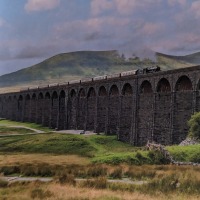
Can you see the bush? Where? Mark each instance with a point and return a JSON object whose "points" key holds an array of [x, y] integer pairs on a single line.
{"points": [[157, 158], [194, 126], [98, 183], [116, 173], [3, 183], [67, 179], [40, 194]]}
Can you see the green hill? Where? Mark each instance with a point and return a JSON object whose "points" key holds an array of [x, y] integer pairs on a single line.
{"points": [[76, 65]]}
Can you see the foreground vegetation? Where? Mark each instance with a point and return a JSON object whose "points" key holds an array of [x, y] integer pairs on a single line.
{"points": [[8, 124], [162, 182], [95, 159]]}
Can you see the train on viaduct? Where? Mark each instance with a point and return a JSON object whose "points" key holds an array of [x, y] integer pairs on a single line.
{"points": [[137, 107]]}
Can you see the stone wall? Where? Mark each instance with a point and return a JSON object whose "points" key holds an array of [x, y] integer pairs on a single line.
{"points": [[137, 108]]}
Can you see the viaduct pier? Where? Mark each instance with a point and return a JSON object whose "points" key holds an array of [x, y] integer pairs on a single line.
{"points": [[137, 107]]}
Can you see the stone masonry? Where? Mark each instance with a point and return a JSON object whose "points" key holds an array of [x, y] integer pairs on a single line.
{"points": [[137, 108]]}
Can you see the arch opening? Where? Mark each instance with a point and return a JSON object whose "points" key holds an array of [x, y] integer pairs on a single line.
{"points": [[163, 85], [47, 95], [114, 91], [81, 93], [62, 94], [127, 90], [54, 95], [102, 91], [183, 84], [40, 96], [146, 87], [91, 92]]}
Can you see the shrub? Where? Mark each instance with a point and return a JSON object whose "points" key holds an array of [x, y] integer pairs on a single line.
{"points": [[40, 194], [98, 183], [194, 126], [67, 179], [157, 157], [116, 173], [97, 171], [3, 183]]}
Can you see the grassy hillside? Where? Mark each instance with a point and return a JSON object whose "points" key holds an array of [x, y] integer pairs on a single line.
{"points": [[97, 148], [76, 65]]}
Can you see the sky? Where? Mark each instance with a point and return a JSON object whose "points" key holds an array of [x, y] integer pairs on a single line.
{"points": [[34, 30]]}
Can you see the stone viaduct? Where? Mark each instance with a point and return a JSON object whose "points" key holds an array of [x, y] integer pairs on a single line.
{"points": [[153, 106]]}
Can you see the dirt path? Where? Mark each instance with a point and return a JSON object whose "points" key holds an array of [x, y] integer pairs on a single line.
{"points": [[36, 131], [20, 179]]}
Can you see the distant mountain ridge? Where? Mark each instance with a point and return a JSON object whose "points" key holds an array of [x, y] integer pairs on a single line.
{"points": [[76, 65]]}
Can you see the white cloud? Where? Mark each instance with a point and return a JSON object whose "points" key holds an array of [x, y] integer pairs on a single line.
{"points": [[174, 2], [39, 5], [98, 6], [195, 8], [152, 29], [124, 7]]}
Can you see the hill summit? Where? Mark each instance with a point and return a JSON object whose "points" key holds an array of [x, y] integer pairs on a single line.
{"points": [[76, 65]]}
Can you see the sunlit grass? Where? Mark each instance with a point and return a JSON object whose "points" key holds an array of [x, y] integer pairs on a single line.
{"points": [[8, 123]]}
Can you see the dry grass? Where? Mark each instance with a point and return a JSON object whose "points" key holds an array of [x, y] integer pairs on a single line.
{"points": [[55, 191], [13, 159]]}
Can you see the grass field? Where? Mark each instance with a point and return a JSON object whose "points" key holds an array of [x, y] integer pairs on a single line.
{"points": [[4, 130], [8, 123], [100, 157]]}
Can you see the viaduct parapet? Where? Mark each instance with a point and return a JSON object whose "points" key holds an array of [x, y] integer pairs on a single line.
{"points": [[154, 106]]}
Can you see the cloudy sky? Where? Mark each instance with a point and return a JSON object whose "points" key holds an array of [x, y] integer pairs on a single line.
{"points": [[33, 30]]}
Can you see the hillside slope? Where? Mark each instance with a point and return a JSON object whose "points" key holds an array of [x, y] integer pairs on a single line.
{"points": [[76, 65]]}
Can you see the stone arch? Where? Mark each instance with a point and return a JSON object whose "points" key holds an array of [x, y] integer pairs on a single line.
{"points": [[198, 97], [91, 108], [54, 95], [102, 109], [54, 110], [20, 108], [14, 106], [20, 98], [62, 111], [27, 108], [47, 109], [33, 107], [72, 110], [114, 91], [114, 105], [126, 113], [145, 113], [163, 85], [91, 92], [183, 108], [146, 87], [40, 96], [81, 93], [183, 84], [9, 107], [47, 95], [81, 114], [162, 119], [40, 108], [127, 90], [102, 91], [72, 93], [62, 94], [27, 97]]}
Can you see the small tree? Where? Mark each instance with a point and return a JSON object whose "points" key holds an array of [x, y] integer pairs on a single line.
{"points": [[194, 126]]}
